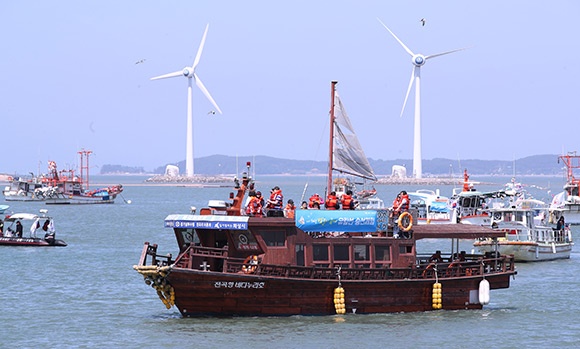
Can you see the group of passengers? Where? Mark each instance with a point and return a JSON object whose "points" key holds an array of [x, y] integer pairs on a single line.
{"points": [[332, 202], [273, 207]]}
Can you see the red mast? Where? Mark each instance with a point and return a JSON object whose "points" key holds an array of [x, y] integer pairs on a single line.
{"points": [[331, 145], [85, 178]]}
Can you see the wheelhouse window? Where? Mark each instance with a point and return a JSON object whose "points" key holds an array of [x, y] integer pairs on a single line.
{"points": [[361, 253], [300, 254], [274, 238], [189, 236], [382, 254], [341, 252], [244, 240], [405, 249], [320, 252]]}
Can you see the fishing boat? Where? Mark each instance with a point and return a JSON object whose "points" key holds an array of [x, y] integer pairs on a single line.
{"points": [[321, 262], [432, 207], [523, 238], [61, 187], [567, 203], [21, 229]]}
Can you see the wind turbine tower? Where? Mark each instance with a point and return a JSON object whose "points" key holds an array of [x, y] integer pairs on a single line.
{"points": [[189, 73], [418, 61]]}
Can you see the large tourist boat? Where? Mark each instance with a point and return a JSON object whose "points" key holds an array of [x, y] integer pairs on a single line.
{"points": [[321, 262], [61, 187], [567, 203]]}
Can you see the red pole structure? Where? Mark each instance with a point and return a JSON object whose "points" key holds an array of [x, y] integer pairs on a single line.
{"points": [[331, 145], [85, 179]]}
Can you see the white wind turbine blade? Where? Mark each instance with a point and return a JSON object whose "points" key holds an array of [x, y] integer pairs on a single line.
{"points": [[408, 89], [400, 42], [200, 49], [170, 75], [445, 53], [205, 92]]}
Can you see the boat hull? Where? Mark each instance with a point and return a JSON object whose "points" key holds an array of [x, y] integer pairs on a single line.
{"points": [[33, 242], [199, 293], [528, 251], [82, 200]]}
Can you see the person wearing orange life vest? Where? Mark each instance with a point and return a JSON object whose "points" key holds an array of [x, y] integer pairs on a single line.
{"points": [[276, 199], [332, 202], [275, 204], [348, 203], [401, 203], [255, 205], [289, 209], [315, 199]]}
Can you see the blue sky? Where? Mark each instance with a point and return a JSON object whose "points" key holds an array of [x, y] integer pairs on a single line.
{"points": [[69, 79]]}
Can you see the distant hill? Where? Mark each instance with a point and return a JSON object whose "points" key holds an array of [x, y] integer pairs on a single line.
{"points": [[265, 165]]}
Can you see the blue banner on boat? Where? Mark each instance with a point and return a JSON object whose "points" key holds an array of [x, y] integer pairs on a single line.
{"points": [[206, 222], [339, 220]]}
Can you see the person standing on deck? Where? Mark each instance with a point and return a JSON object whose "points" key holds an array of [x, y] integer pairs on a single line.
{"points": [[275, 203], [332, 202], [289, 209], [18, 229], [348, 203]]}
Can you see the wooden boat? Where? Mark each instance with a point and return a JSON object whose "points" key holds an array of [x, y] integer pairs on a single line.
{"points": [[61, 187], [523, 238], [322, 262], [29, 225]]}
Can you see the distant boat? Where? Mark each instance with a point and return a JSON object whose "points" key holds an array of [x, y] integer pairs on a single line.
{"points": [[61, 187], [3, 208], [567, 203], [524, 239], [432, 207]]}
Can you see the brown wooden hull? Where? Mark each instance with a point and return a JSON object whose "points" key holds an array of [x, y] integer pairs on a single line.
{"points": [[199, 293]]}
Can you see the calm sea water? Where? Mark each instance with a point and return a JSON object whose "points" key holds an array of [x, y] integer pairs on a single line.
{"points": [[87, 295]]}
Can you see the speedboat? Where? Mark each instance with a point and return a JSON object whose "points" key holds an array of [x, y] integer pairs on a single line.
{"points": [[21, 229]]}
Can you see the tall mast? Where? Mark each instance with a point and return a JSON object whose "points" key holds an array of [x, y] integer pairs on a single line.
{"points": [[331, 144], [85, 178]]}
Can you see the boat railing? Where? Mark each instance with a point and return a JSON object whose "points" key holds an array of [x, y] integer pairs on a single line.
{"points": [[472, 267], [150, 252]]}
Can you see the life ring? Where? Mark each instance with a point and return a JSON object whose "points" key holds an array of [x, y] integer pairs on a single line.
{"points": [[250, 264], [405, 216], [431, 266]]}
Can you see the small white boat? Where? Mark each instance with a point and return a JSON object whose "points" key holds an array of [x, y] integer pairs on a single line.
{"points": [[21, 229], [567, 203], [524, 239], [3, 208], [432, 207]]}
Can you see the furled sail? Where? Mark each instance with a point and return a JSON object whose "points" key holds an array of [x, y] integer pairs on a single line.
{"points": [[348, 155]]}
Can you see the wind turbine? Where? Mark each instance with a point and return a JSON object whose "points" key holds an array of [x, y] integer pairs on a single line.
{"points": [[189, 73], [418, 61]]}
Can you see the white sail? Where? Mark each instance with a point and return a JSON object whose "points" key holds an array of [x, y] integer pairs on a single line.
{"points": [[348, 155]]}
